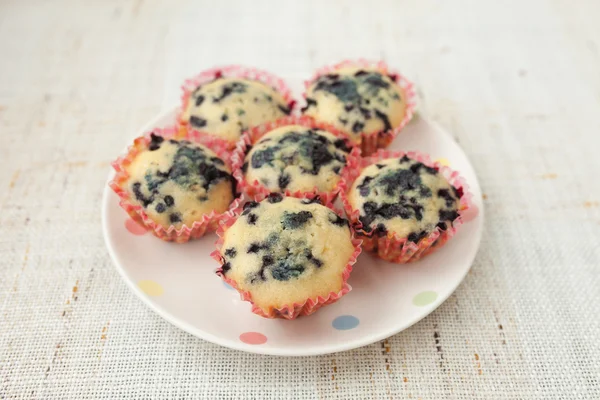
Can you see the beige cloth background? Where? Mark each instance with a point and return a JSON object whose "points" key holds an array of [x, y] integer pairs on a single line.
{"points": [[517, 82]]}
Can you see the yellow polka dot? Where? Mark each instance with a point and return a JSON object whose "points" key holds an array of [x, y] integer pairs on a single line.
{"points": [[151, 288], [443, 161]]}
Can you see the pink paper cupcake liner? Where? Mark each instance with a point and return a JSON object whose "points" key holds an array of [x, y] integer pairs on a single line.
{"points": [[370, 142], [400, 250], [294, 310], [228, 71], [209, 222], [257, 191]]}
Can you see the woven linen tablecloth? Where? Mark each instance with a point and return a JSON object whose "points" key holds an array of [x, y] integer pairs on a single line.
{"points": [[516, 82]]}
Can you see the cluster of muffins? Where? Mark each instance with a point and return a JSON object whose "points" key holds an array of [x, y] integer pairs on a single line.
{"points": [[244, 161]]}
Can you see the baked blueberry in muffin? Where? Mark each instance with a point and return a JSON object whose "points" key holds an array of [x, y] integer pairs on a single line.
{"points": [[178, 182], [405, 197], [297, 158], [226, 107], [357, 101], [285, 251]]}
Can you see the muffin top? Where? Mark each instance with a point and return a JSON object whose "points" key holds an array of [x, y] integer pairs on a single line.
{"points": [[297, 158], [404, 196], [226, 107], [285, 250], [177, 182], [356, 100]]}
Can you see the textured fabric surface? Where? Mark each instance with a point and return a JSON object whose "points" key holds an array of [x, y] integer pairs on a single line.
{"points": [[516, 82]]}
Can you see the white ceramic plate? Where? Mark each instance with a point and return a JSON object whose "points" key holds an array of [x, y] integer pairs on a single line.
{"points": [[178, 281]]}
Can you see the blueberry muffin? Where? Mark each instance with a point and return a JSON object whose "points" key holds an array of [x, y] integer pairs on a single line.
{"points": [[297, 158], [285, 251], [356, 100], [177, 182], [226, 107], [405, 198]]}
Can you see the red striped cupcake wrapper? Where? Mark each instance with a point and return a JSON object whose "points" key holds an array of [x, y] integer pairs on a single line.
{"points": [[370, 142], [293, 310], [208, 222], [257, 191], [227, 71], [400, 250]]}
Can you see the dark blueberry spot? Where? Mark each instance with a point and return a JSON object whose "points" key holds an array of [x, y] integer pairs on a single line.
{"points": [[318, 263], [309, 102], [415, 237], [245, 167], [357, 127], [445, 194], [364, 188], [217, 160], [226, 267], [248, 206], [252, 218], [404, 159], [197, 121], [169, 200], [342, 144], [136, 187], [228, 89], [379, 166], [361, 72], [365, 112], [345, 89], [393, 77], [284, 109], [389, 211], [337, 220], [254, 248], [160, 208], [199, 100], [442, 226], [370, 207], [224, 117], [267, 260], [380, 230], [376, 81], [261, 157], [384, 118], [366, 221], [295, 220], [173, 141], [448, 215], [343, 121], [274, 198], [337, 170], [284, 180], [155, 142], [174, 218], [284, 270], [349, 107], [211, 174], [231, 252]]}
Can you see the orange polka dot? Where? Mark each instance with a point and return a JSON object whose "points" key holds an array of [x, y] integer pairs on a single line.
{"points": [[253, 338], [134, 227]]}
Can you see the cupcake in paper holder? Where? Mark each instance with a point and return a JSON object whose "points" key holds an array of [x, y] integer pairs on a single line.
{"points": [[224, 102], [404, 206], [287, 256], [294, 156], [366, 100], [177, 189]]}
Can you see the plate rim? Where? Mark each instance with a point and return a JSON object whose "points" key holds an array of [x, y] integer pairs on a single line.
{"points": [[279, 351]]}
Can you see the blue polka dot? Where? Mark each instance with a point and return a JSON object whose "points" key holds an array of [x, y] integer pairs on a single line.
{"points": [[228, 286], [345, 322]]}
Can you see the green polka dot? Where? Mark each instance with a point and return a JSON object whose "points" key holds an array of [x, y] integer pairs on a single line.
{"points": [[425, 298]]}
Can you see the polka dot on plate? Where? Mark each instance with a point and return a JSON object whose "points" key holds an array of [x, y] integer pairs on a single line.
{"points": [[425, 298], [151, 288], [443, 161], [228, 286], [253, 338], [470, 214], [345, 322], [134, 228]]}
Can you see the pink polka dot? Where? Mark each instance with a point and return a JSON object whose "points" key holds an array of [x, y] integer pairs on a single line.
{"points": [[470, 214], [134, 227], [253, 338]]}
